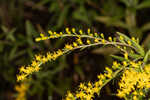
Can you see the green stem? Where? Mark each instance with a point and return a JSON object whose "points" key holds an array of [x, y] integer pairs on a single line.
{"points": [[146, 56]]}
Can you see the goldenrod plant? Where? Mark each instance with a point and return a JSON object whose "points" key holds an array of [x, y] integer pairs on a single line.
{"points": [[132, 68], [22, 90]]}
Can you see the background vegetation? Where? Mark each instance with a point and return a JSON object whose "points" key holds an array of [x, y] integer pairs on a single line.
{"points": [[22, 20]]}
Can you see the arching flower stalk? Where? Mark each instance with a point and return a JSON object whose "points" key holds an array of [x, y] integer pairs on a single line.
{"points": [[134, 63]]}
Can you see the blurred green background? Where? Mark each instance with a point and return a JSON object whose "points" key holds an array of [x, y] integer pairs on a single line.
{"points": [[23, 20]]}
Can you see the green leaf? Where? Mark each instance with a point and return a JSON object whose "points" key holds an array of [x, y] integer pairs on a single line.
{"points": [[146, 42], [62, 16], [145, 27], [130, 3], [118, 57], [110, 21], [144, 4], [126, 2], [53, 7], [135, 56], [13, 52], [111, 8], [146, 56], [81, 14], [30, 31], [41, 3], [9, 33], [4, 29], [138, 49]]}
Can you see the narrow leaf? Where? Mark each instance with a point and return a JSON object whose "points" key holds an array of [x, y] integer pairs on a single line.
{"points": [[138, 49]]}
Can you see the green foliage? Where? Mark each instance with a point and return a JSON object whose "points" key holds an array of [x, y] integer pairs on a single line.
{"points": [[126, 17]]}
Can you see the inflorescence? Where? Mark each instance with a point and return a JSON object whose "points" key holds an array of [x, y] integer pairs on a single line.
{"points": [[22, 90], [131, 64], [92, 39], [87, 91], [135, 82]]}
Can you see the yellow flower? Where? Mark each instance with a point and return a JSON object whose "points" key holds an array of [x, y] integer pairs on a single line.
{"points": [[69, 47], [79, 41], [121, 38], [50, 32], [89, 84], [21, 89], [59, 52], [132, 81], [44, 59], [61, 33], [88, 42], [41, 34], [135, 98], [49, 55], [73, 30], [125, 63], [80, 31], [37, 68], [108, 70], [101, 76], [96, 40], [120, 94], [103, 40], [75, 44], [133, 38], [91, 35], [67, 30], [88, 31], [81, 95], [129, 43], [34, 63], [96, 89], [38, 39], [133, 64], [115, 65], [81, 86], [22, 69], [135, 93], [141, 93], [110, 39], [95, 34], [38, 57], [118, 47], [108, 75], [21, 77], [126, 55], [69, 96], [102, 35]]}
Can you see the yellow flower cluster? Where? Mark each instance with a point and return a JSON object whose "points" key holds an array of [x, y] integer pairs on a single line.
{"points": [[24, 71], [134, 82], [87, 91], [73, 33], [128, 84], [35, 65], [21, 89], [122, 39], [92, 38]]}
